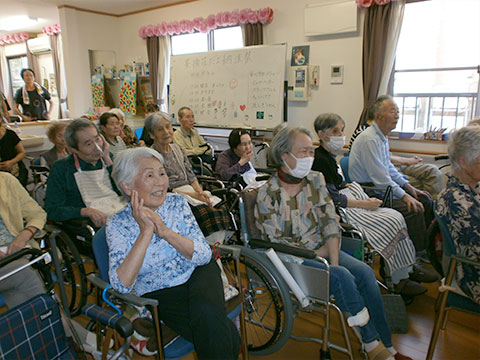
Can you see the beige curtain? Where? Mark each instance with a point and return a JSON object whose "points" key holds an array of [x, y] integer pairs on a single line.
{"points": [[375, 36], [394, 29], [33, 64], [253, 34], [158, 51], [4, 76], [153, 54], [56, 68], [164, 71]]}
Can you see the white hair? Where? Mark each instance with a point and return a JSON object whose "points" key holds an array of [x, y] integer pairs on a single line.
{"points": [[125, 165], [464, 143]]}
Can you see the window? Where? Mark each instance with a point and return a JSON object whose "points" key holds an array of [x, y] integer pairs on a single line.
{"points": [[15, 66], [189, 43], [218, 39], [435, 79]]}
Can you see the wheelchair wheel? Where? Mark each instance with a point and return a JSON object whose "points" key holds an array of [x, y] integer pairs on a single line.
{"points": [[73, 272], [267, 304]]}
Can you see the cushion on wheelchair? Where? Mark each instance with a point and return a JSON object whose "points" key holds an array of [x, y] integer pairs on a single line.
{"points": [[109, 318], [283, 248], [34, 330]]}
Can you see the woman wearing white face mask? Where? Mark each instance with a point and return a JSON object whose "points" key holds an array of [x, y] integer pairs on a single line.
{"points": [[385, 229], [294, 207]]}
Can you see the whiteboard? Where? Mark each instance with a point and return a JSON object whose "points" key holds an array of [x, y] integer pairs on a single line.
{"points": [[232, 88]]}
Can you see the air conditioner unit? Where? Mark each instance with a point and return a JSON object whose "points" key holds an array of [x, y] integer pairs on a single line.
{"points": [[39, 44]]}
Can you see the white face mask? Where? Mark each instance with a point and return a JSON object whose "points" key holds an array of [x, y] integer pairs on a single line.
{"points": [[336, 143], [302, 168]]}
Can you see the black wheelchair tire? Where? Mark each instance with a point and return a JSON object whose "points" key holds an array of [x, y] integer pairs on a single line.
{"points": [[73, 272], [263, 275]]}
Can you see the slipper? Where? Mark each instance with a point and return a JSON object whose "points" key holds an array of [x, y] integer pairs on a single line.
{"points": [[380, 353]]}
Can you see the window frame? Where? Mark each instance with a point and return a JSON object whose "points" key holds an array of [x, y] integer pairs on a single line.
{"points": [[475, 96], [210, 38]]}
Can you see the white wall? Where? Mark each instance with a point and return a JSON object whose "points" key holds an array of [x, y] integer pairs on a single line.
{"points": [[287, 26], [82, 31]]}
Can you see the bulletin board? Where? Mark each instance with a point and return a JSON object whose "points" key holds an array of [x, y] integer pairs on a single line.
{"points": [[232, 88]]}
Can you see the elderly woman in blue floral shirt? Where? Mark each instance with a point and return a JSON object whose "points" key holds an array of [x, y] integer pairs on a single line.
{"points": [[157, 250], [459, 205]]}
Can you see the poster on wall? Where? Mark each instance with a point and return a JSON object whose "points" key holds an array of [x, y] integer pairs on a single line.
{"points": [[300, 55], [128, 93], [98, 90]]}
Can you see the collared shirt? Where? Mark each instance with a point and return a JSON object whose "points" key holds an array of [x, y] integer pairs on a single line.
{"points": [[369, 162], [63, 200], [163, 266], [16, 206], [177, 166], [227, 165], [458, 206], [189, 142], [307, 219]]}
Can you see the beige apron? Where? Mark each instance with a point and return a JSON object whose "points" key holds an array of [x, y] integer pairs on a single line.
{"points": [[96, 190]]}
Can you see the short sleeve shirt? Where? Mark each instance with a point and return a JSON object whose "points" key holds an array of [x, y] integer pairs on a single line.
{"points": [[7, 145], [37, 108]]}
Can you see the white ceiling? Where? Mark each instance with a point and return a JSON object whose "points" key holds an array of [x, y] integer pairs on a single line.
{"points": [[47, 13]]}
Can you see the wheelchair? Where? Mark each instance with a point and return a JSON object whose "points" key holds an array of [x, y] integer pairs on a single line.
{"points": [[34, 329], [178, 346], [269, 305]]}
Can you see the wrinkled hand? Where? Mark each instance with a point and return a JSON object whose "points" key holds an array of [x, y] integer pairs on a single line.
{"points": [[47, 117], [372, 203], [98, 218], [105, 148], [414, 160], [202, 196], [160, 228], [19, 242], [246, 158], [412, 203], [414, 192], [141, 213], [6, 165]]}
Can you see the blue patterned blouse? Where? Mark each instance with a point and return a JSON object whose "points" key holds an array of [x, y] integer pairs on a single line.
{"points": [[163, 266]]}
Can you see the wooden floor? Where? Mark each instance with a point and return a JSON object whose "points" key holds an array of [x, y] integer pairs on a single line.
{"points": [[460, 340]]}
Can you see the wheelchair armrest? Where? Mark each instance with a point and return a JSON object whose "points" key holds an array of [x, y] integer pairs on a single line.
{"points": [[266, 170], [109, 318], [211, 180], [283, 248], [40, 168], [465, 260], [129, 298], [441, 157], [19, 254]]}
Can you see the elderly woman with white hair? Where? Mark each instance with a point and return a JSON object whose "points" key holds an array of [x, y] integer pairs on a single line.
{"points": [[127, 134], [213, 221], [295, 208], [458, 206], [156, 250]]}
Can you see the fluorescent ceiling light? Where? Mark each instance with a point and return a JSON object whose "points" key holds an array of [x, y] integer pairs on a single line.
{"points": [[17, 22]]}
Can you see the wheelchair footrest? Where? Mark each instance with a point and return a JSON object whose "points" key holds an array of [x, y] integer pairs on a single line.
{"points": [[109, 318]]}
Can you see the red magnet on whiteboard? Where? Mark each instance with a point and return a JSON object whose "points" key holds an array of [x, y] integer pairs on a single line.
{"points": [[243, 107]]}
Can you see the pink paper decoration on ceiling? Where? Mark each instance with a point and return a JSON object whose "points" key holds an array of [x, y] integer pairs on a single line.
{"points": [[52, 29], [211, 22], [368, 3], [14, 38]]}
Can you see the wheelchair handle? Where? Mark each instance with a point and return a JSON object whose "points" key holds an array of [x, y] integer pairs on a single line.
{"points": [[39, 256]]}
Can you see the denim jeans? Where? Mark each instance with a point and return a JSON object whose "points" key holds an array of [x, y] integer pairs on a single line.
{"points": [[354, 286]]}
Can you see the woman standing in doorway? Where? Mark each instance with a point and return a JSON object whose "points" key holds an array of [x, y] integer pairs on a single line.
{"points": [[32, 97]]}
